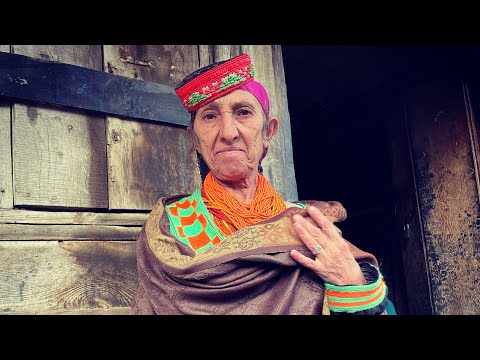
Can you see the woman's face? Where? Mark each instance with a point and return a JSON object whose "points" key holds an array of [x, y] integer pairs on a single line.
{"points": [[229, 134]]}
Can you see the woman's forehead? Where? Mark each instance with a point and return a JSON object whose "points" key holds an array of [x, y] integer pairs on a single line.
{"points": [[233, 98]]}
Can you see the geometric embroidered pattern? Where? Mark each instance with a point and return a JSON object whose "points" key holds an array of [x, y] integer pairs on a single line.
{"points": [[191, 223]]}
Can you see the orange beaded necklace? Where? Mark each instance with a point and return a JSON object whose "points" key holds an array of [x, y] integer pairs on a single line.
{"points": [[230, 215]]}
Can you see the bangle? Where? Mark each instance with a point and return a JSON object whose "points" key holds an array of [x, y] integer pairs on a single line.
{"points": [[368, 299]]}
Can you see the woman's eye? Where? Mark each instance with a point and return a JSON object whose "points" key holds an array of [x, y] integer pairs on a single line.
{"points": [[244, 112], [208, 116]]}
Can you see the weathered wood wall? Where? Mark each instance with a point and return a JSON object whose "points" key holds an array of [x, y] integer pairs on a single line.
{"points": [[147, 161], [76, 186], [58, 154], [6, 182], [443, 158]]}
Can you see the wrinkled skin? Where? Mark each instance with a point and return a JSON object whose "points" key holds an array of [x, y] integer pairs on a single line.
{"points": [[231, 134]]}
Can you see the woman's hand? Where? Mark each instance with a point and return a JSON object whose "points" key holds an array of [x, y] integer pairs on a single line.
{"points": [[333, 262]]}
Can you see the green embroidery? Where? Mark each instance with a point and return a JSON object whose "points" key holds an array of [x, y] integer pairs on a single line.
{"points": [[230, 80], [196, 227], [195, 98], [252, 72], [302, 205]]}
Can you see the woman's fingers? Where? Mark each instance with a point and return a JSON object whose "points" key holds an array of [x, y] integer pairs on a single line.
{"points": [[303, 260], [326, 226], [333, 260], [310, 234]]}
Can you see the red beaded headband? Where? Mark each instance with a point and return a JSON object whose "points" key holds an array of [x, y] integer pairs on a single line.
{"points": [[216, 82]]}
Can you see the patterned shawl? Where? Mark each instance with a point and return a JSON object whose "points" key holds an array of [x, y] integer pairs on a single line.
{"points": [[250, 272]]}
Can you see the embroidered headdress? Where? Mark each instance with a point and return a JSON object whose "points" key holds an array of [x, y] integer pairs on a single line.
{"points": [[218, 79]]}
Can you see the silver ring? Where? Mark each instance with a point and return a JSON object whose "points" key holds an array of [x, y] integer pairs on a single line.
{"points": [[318, 250]]}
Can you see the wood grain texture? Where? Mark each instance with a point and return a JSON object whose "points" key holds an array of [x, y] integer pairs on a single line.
{"points": [[18, 216], [34, 232], [106, 311], [449, 204], [68, 277], [205, 54], [284, 152], [163, 64], [224, 52], [31, 80], [278, 164], [146, 161], [59, 156], [6, 185], [6, 179], [89, 56]]}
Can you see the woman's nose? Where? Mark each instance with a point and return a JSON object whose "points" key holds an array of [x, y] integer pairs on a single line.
{"points": [[228, 128]]}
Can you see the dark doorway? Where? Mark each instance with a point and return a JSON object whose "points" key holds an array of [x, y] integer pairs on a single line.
{"points": [[341, 144], [350, 121]]}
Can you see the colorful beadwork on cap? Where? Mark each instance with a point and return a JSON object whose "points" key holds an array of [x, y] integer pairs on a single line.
{"points": [[216, 82]]}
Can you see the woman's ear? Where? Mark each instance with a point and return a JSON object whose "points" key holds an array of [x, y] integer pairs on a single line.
{"points": [[272, 127], [193, 136]]}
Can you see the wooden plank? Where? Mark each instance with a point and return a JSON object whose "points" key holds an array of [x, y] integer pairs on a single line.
{"points": [[28, 232], [17, 216], [448, 198], [59, 155], [67, 277], [205, 54], [109, 311], [146, 161], [82, 55], [59, 158], [26, 78], [224, 52], [284, 151], [278, 164], [6, 184]]}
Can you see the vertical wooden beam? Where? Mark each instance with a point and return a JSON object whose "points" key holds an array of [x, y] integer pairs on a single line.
{"points": [[285, 132], [59, 156], [205, 54], [448, 198], [147, 161], [278, 164], [6, 187]]}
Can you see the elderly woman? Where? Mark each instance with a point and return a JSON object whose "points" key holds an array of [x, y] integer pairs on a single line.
{"points": [[235, 246]]}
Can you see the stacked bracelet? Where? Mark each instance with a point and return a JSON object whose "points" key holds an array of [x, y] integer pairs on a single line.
{"points": [[368, 299]]}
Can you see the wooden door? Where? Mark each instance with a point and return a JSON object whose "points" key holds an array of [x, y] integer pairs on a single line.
{"points": [[76, 184], [438, 198]]}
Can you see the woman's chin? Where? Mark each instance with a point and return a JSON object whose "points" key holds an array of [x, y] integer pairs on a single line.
{"points": [[232, 174]]}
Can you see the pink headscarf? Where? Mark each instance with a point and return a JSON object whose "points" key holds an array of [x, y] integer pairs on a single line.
{"points": [[257, 89]]}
